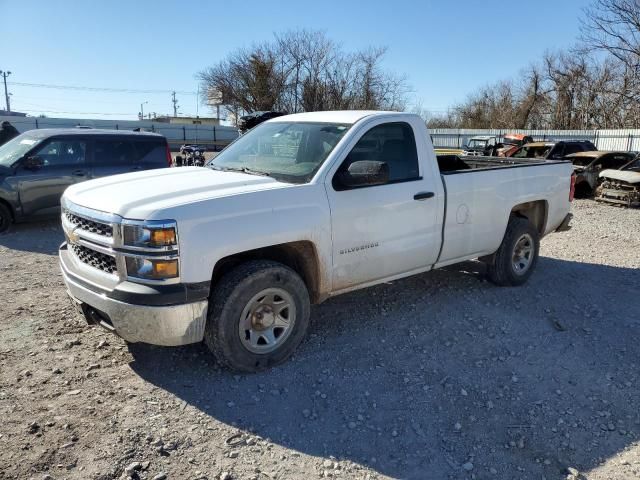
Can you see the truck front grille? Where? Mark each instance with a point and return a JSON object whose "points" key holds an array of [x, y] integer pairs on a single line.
{"points": [[101, 261], [91, 226]]}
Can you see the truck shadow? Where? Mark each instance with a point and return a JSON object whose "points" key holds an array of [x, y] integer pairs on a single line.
{"points": [[38, 237], [419, 377]]}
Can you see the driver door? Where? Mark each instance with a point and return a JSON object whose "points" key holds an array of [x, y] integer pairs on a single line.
{"points": [[62, 162], [384, 230]]}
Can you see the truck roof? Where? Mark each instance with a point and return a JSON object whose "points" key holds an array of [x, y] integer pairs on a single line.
{"points": [[49, 132], [334, 116], [483, 137]]}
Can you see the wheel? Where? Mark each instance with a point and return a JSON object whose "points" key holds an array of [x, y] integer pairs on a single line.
{"points": [[515, 260], [5, 218], [258, 315]]}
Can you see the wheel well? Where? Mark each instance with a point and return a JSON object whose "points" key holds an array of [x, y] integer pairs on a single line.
{"points": [[535, 212], [299, 256], [583, 189], [8, 205]]}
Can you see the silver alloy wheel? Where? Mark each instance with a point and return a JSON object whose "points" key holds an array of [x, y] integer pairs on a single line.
{"points": [[523, 254], [267, 320]]}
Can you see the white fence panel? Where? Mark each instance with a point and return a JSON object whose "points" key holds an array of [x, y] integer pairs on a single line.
{"points": [[619, 139]]}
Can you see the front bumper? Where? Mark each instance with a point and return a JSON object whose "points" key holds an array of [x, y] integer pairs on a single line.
{"points": [[169, 325], [618, 196]]}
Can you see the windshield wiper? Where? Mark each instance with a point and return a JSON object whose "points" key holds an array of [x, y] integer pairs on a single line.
{"points": [[246, 170]]}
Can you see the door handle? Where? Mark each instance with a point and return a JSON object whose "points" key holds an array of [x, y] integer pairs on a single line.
{"points": [[79, 173], [423, 195]]}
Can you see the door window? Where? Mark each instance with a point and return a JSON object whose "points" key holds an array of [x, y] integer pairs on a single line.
{"points": [[392, 143], [62, 152], [151, 153], [114, 152], [570, 148]]}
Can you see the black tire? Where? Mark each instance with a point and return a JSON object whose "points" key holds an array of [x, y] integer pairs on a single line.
{"points": [[6, 219], [502, 269], [228, 301]]}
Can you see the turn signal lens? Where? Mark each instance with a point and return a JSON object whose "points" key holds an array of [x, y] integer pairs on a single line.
{"points": [[162, 237], [165, 269]]}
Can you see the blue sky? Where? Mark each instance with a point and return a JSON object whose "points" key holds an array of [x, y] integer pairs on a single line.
{"points": [[445, 48]]}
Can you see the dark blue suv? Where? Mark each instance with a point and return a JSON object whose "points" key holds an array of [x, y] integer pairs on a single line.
{"points": [[37, 166]]}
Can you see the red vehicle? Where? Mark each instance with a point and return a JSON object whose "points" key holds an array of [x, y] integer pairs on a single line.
{"points": [[511, 143]]}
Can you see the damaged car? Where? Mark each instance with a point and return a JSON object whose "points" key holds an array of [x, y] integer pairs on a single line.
{"points": [[621, 187], [588, 165], [552, 150]]}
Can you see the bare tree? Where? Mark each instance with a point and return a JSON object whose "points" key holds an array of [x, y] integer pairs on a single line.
{"points": [[303, 70], [613, 26]]}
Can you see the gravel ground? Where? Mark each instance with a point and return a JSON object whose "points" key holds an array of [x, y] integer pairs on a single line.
{"points": [[441, 375]]}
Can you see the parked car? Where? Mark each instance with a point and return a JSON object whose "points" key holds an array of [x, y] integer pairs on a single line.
{"points": [[247, 122], [192, 148], [37, 166], [588, 165], [622, 186], [511, 142], [553, 150], [302, 208], [485, 145]]}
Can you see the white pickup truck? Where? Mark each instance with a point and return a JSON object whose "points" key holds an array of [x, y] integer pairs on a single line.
{"points": [[300, 209]]}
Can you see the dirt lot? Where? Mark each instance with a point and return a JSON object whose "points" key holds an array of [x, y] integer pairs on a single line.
{"points": [[438, 376]]}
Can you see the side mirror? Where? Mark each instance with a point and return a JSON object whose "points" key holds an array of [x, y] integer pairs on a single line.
{"points": [[364, 173], [33, 163]]}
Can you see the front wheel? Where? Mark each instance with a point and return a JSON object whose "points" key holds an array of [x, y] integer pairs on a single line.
{"points": [[515, 260], [258, 315], [5, 218]]}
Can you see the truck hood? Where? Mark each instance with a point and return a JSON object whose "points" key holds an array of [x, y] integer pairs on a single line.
{"points": [[622, 175], [144, 195]]}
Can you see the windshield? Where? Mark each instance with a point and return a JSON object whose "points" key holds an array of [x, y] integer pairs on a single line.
{"points": [[533, 152], [287, 151], [582, 161], [15, 148], [633, 166], [475, 143]]}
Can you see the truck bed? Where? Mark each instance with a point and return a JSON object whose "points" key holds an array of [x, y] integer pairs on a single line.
{"points": [[450, 164]]}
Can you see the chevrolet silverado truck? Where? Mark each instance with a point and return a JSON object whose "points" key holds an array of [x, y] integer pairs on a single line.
{"points": [[299, 209]]}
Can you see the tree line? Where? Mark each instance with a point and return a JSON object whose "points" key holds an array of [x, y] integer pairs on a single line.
{"points": [[595, 84], [300, 71]]}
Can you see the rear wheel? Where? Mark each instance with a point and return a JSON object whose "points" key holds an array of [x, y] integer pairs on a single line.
{"points": [[515, 260], [258, 315], [5, 218]]}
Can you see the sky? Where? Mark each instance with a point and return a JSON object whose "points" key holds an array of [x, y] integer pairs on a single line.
{"points": [[146, 49]]}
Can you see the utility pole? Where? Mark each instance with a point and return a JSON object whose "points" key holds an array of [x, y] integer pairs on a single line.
{"points": [[6, 93], [175, 103], [142, 110]]}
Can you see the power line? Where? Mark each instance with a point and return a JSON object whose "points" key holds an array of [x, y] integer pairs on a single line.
{"points": [[98, 89], [78, 113]]}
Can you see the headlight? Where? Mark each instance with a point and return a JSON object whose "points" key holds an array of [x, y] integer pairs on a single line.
{"points": [[149, 236], [150, 269]]}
